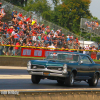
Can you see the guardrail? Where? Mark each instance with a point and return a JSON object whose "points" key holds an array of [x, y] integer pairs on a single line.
{"points": [[51, 94], [32, 51]]}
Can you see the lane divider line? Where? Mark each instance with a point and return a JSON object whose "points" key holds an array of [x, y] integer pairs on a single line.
{"points": [[12, 67], [15, 76]]}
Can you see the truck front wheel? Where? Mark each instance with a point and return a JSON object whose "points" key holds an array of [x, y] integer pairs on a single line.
{"points": [[35, 79], [69, 81]]}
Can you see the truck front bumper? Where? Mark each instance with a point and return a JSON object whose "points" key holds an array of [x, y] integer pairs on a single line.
{"points": [[46, 72]]}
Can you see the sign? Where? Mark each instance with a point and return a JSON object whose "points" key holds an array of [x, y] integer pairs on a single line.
{"points": [[93, 55], [37, 53], [26, 52], [32, 52]]}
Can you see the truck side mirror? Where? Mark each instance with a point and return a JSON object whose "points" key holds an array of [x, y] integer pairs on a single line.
{"points": [[81, 62]]}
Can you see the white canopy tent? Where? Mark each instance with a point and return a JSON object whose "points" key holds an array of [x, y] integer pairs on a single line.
{"points": [[86, 43]]}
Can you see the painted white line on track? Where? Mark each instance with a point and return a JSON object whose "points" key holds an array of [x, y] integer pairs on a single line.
{"points": [[12, 67], [15, 76]]}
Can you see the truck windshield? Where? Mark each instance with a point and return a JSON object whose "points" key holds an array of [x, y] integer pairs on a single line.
{"points": [[63, 57]]}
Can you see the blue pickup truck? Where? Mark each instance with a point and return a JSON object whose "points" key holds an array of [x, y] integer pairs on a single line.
{"points": [[65, 67]]}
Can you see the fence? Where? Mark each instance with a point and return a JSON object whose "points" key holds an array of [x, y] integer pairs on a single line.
{"points": [[41, 52]]}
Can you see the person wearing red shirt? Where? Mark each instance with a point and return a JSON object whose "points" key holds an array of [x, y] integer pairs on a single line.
{"points": [[45, 39], [28, 19], [20, 14], [8, 30], [17, 49], [11, 29], [77, 40]]}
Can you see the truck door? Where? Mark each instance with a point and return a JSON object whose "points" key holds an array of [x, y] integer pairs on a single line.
{"points": [[84, 65]]}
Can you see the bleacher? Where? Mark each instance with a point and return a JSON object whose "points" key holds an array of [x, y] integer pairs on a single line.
{"points": [[90, 26], [9, 8]]}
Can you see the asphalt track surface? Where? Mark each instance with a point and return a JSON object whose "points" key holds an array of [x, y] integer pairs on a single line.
{"points": [[18, 78]]}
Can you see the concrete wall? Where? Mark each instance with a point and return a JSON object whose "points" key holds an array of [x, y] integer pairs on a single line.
{"points": [[14, 61], [52, 95]]}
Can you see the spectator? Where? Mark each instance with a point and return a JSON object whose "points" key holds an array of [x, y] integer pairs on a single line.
{"points": [[51, 47], [1, 47], [3, 12], [31, 33], [98, 54], [17, 49], [34, 38], [12, 14]]}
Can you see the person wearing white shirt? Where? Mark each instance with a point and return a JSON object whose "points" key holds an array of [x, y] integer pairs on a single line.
{"points": [[13, 32], [34, 39], [51, 47]]}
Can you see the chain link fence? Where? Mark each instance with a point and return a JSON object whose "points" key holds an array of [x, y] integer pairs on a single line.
{"points": [[29, 51]]}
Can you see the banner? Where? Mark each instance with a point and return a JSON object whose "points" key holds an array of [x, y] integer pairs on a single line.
{"points": [[32, 52], [93, 55]]}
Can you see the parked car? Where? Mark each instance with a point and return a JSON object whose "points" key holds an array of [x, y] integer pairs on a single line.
{"points": [[65, 67]]}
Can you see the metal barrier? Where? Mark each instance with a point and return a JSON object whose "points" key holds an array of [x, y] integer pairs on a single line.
{"points": [[53, 94], [31, 51], [10, 50]]}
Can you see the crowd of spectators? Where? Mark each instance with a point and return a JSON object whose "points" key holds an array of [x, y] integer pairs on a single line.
{"points": [[93, 26], [26, 31]]}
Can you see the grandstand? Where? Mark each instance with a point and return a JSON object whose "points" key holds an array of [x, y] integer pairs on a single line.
{"points": [[90, 26], [60, 38], [9, 8]]}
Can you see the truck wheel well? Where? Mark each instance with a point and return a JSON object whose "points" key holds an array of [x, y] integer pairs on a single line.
{"points": [[97, 74], [75, 72]]}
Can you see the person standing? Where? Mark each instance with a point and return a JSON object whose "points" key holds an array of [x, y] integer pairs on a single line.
{"points": [[98, 54], [17, 49]]}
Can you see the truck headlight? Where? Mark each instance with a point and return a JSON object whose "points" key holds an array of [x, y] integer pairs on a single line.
{"points": [[34, 67], [29, 65], [65, 69]]}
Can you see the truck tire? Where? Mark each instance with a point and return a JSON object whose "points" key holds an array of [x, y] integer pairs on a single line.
{"points": [[35, 79], [93, 81], [69, 81]]}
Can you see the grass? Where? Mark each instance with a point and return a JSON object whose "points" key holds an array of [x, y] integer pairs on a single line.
{"points": [[23, 57], [96, 60], [36, 57]]}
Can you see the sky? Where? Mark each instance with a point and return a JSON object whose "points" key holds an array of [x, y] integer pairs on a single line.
{"points": [[95, 8]]}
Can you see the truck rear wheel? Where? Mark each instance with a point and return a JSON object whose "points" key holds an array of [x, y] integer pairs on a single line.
{"points": [[35, 79], [93, 81]]}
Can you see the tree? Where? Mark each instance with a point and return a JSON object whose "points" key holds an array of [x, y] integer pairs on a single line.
{"points": [[69, 13], [55, 2], [18, 2], [39, 6]]}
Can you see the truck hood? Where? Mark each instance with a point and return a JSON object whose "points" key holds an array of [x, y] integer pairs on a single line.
{"points": [[47, 63]]}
